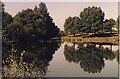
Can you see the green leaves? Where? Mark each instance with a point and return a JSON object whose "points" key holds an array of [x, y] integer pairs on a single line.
{"points": [[6, 19], [92, 18], [36, 24], [72, 25], [108, 24]]}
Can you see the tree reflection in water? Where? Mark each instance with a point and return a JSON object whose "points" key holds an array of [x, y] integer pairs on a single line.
{"points": [[27, 60], [117, 56], [90, 57]]}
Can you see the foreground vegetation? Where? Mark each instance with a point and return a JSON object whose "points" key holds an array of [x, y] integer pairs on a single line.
{"points": [[27, 60]]}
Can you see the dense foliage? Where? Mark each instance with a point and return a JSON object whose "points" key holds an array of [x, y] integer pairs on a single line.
{"points": [[30, 25], [108, 24], [90, 20], [72, 25], [117, 23], [27, 60], [6, 17]]}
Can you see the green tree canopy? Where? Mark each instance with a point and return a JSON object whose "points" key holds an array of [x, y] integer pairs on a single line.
{"points": [[6, 17], [92, 19], [108, 24], [117, 23], [72, 25], [32, 24]]}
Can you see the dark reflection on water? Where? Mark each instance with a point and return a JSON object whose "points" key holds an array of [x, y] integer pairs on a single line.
{"points": [[90, 57], [27, 60], [32, 59]]}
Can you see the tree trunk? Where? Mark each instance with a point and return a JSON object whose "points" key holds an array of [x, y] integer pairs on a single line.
{"points": [[111, 30], [74, 34]]}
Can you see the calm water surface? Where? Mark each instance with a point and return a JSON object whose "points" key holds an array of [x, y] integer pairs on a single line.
{"points": [[60, 66], [60, 60]]}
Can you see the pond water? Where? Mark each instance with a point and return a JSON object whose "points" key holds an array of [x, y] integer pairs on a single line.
{"points": [[60, 60], [63, 66]]}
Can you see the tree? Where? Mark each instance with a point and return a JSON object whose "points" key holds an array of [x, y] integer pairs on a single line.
{"points": [[49, 25], [6, 17], [92, 19], [35, 25], [117, 23], [12, 32], [72, 25], [108, 25]]}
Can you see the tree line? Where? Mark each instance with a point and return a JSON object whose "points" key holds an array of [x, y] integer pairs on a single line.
{"points": [[90, 20], [33, 24], [29, 25]]}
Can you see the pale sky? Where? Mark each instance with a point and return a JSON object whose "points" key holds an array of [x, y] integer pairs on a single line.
{"points": [[61, 10]]}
